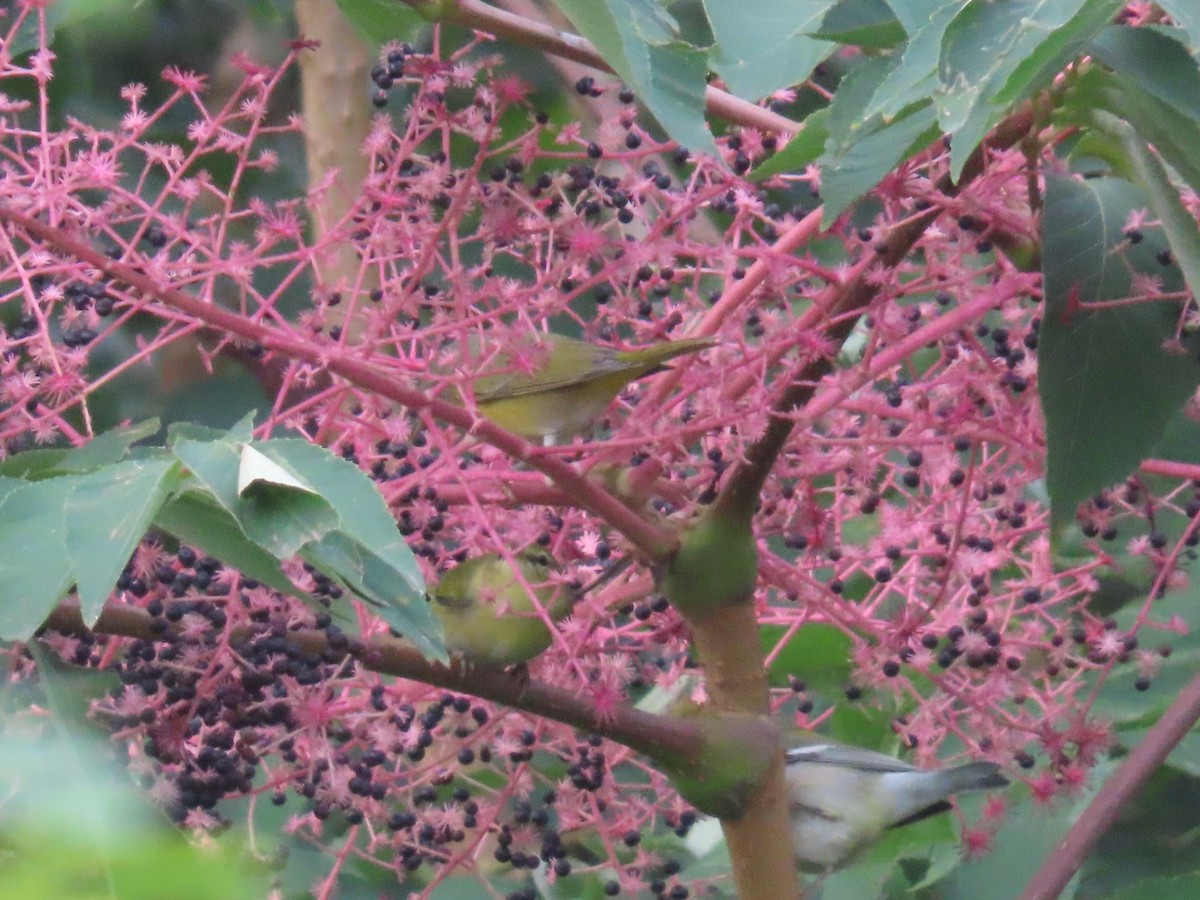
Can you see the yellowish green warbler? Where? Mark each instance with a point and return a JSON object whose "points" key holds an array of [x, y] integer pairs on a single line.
{"points": [[843, 798], [572, 386], [487, 614]]}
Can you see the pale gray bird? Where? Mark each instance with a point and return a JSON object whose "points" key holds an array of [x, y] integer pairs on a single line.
{"points": [[843, 798]]}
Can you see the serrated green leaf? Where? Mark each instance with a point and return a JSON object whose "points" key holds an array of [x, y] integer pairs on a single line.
{"points": [[196, 519], [276, 507], [362, 513], [107, 514], [913, 15], [240, 433], [1108, 386], [1061, 46], [847, 123], [983, 46], [215, 464], [32, 464], [803, 149], [254, 468], [862, 23], [107, 448], [35, 570], [847, 177], [861, 150], [1186, 14], [914, 77], [281, 519], [763, 46], [667, 74], [1155, 61], [376, 580]]}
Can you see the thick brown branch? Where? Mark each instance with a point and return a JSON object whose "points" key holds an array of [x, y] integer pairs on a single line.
{"points": [[651, 734]]}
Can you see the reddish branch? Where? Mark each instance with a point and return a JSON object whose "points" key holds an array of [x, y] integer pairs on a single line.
{"points": [[655, 542]]}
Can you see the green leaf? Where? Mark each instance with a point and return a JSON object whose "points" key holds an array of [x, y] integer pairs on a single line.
{"points": [[802, 149], [256, 469], [241, 432], [1155, 61], [32, 464], [214, 464], [913, 15], [107, 514], [363, 515], [847, 176], [65, 14], [1108, 387], [1180, 440], [380, 21], [1186, 14], [107, 448], [847, 122], [763, 46], [376, 580], [1174, 136], [987, 44], [639, 40], [862, 23], [1060, 47], [35, 570], [283, 521], [195, 518], [1178, 223], [914, 77], [861, 150], [76, 829]]}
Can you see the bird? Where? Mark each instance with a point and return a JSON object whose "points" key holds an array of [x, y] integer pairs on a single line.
{"points": [[841, 799], [486, 612], [572, 387]]}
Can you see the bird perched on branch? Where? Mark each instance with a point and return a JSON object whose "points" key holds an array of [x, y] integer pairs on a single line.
{"points": [[571, 385], [487, 612]]}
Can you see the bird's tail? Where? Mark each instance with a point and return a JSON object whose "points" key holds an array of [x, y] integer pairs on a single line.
{"points": [[975, 776], [654, 356], [928, 795]]}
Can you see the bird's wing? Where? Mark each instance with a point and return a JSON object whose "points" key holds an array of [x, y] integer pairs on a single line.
{"points": [[851, 757], [569, 362]]}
